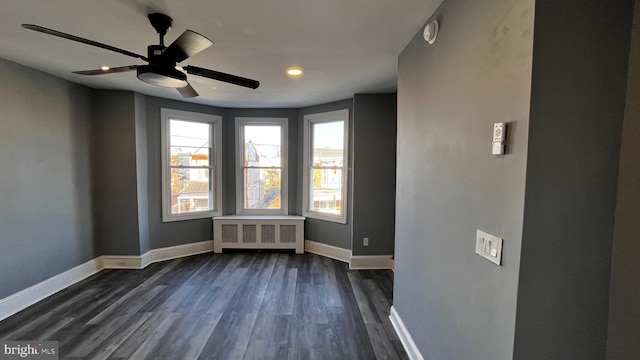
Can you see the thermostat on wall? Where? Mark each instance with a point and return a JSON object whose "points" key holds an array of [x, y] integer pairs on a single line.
{"points": [[499, 136]]}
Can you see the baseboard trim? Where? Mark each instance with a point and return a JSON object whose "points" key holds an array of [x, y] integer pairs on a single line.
{"points": [[122, 262], [145, 259], [371, 262], [404, 335], [178, 251], [31, 295], [329, 251], [155, 255]]}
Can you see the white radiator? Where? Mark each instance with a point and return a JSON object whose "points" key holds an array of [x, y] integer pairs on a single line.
{"points": [[258, 232]]}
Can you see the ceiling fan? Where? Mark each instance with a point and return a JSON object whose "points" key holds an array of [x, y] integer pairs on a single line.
{"points": [[161, 69]]}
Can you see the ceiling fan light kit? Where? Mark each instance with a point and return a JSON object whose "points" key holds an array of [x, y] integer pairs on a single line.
{"points": [[294, 72], [162, 69], [162, 76]]}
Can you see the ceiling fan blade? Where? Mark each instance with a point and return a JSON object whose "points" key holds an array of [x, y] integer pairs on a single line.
{"points": [[216, 75], [188, 44], [81, 40], [107, 71], [187, 91]]}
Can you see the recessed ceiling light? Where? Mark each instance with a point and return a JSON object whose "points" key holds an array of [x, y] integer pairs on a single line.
{"points": [[104, 68], [294, 71]]}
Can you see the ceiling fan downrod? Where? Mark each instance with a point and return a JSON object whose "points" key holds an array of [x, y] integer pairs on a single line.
{"points": [[162, 23]]}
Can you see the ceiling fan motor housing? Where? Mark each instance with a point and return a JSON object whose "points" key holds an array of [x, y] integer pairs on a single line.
{"points": [[161, 70], [154, 52]]}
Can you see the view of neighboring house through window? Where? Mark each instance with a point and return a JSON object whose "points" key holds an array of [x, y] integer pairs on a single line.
{"points": [[191, 154], [261, 177], [325, 159]]}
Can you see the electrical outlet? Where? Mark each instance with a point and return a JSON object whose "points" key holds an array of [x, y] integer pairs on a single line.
{"points": [[365, 242], [489, 247]]}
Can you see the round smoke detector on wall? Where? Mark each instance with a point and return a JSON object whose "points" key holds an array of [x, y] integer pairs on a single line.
{"points": [[431, 32]]}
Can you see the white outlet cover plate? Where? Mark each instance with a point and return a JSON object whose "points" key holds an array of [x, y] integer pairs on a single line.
{"points": [[489, 247]]}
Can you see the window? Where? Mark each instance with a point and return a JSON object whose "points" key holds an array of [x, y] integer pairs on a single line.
{"points": [[261, 178], [325, 165], [191, 158]]}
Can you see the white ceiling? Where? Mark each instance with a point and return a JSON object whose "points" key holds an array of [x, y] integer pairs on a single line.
{"points": [[343, 46]]}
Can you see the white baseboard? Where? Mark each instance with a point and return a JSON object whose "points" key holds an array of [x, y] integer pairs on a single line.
{"points": [[371, 262], [174, 252], [145, 259], [155, 255], [31, 295], [329, 251], [121, 262], [404, 335], [393, 265], [358, 262]]}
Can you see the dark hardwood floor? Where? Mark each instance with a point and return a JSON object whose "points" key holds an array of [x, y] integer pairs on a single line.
{"points": [[225, 306]]}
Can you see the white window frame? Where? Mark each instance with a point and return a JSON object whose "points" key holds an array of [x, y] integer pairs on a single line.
{"points": [[331, 116], [215, 121], [241, 122]]}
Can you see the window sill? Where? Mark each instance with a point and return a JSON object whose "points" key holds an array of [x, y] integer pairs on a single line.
{"points": [[276, 212], [325, 217], [193, 216]]}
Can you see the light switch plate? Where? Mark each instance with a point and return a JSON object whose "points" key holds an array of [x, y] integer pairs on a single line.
{"points": [[489, 246]]}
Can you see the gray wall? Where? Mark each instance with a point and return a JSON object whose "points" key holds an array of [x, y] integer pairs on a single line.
{"points": [[142, 171], [623, 340], [114, 175], [374, 176], [175, 232], [577, 107], [230, 149], [327, 232], [45, 192], [456, 304]]}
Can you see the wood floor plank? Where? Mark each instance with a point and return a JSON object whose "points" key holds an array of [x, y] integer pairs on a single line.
{"points": [[47, 333], [143, 290], [199, 339], [232, 306], [287, 300], [36, 322], [109, 346], [225, 294], [382, 345], [262, 336], [134, 342], [229, 271], [352, 321], [382, 304], [330, 291], [367, 309], [93, 336], [150, 344], [230, 338]]}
